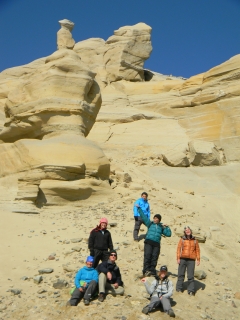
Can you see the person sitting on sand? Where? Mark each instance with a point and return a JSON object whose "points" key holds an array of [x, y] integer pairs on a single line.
{"points": [[110, 279], [99, 242], [161, 289], [86, 282], [152, 241], [187, 252]]}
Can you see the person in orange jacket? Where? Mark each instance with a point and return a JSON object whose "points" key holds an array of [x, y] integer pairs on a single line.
{"points": [[188, 252]]}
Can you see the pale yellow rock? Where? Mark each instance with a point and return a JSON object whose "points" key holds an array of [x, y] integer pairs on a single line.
{"points": [[176, 159], [64, 35], [126, 52], [204, 153]]}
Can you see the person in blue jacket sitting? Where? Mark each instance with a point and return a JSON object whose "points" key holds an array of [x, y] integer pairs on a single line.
{"points": [[152, 241], [144, 205], [86, 282]]}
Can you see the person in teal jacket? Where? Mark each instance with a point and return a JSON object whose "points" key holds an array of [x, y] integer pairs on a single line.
{"points": [[152, 241], [86, 281], [144, 205]]}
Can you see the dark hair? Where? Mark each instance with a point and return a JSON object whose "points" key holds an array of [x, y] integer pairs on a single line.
{"points": [[164, 268], [144, 193]]}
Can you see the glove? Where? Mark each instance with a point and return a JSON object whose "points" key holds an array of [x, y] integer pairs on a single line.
{"points": [[92, 253], [136, 218]]}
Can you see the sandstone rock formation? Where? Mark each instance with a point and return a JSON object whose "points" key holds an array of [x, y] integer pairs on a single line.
{"points": [[49, 112], [121, 57], [54, 101], [64, 35]]}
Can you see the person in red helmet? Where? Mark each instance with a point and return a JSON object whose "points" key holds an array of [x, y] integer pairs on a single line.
{"points": [[99, 242]]}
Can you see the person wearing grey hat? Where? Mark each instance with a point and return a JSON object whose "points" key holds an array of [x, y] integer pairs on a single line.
{"points": [[152, 241], [160, 290], [188, 252]]}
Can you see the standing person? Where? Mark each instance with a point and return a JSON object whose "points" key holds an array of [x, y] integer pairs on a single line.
{"points": [[152, 241], [110, 278], [99, 242], [160, 290], [144, 205], [86, 281], [187, 252]]}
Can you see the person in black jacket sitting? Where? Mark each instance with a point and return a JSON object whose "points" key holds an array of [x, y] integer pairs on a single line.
{"points": [[99, 242], [110, 279]]}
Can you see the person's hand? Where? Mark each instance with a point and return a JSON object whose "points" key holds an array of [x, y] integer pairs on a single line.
{"points": [[165, 225], [198, 262], [160, 298], [143, 280], [115, 285], [178, 261], [109, 275], [136, 205], [81, 289]]}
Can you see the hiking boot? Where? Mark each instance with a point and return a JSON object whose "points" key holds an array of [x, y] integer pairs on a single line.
{"points": [[101, 297], [145, 310], [171, 313], [191, 293]]}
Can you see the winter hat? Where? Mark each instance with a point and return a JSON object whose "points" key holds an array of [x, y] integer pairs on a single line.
{"points": [[104, 220], [90, 259], [158, 216], [164, 268], [187, 227]]}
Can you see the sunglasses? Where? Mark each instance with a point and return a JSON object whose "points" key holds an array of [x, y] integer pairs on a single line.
{"points": [[113, 254]]}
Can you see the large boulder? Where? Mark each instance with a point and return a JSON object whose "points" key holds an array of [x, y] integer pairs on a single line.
{"points": [[204, 153]]}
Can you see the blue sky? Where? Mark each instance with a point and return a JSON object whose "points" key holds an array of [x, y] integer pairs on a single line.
{"points": [[188, 37]]}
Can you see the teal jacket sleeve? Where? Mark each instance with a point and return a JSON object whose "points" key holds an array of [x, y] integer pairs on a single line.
{"points": [[166, 231], [145, 219], [78, 279]]}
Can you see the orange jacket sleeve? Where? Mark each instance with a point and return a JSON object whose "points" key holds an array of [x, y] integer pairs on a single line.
{"points": [[179, 249]]}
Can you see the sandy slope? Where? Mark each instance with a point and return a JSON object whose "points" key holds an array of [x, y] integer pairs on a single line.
{"points": [[27, 241]]}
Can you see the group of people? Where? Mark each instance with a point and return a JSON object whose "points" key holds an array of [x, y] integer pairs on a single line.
{"points": [[106, 277], [94, 277]]}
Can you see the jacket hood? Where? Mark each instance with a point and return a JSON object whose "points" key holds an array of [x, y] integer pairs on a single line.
{"points": [[88, 269]]}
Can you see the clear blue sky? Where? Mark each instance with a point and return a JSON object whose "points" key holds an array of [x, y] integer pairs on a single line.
{"points": [[188, 37]]}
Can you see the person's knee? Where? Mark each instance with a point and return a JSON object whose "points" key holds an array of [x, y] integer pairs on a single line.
{"points": [[102, 276], [119, 291]]}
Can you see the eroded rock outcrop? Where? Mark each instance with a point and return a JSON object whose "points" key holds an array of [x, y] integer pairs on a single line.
{"points": [[49, 111], [64, 35]]}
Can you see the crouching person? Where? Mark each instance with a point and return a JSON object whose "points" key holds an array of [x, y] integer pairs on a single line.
{"points": [[86, 282], [110, 280], [160, 290]]}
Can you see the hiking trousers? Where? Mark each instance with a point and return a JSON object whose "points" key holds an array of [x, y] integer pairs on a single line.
{"points": [[100, 255], [107, 287], [188, 264], [151, 254], [137, 225], [155, 302], [77, 295]]}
